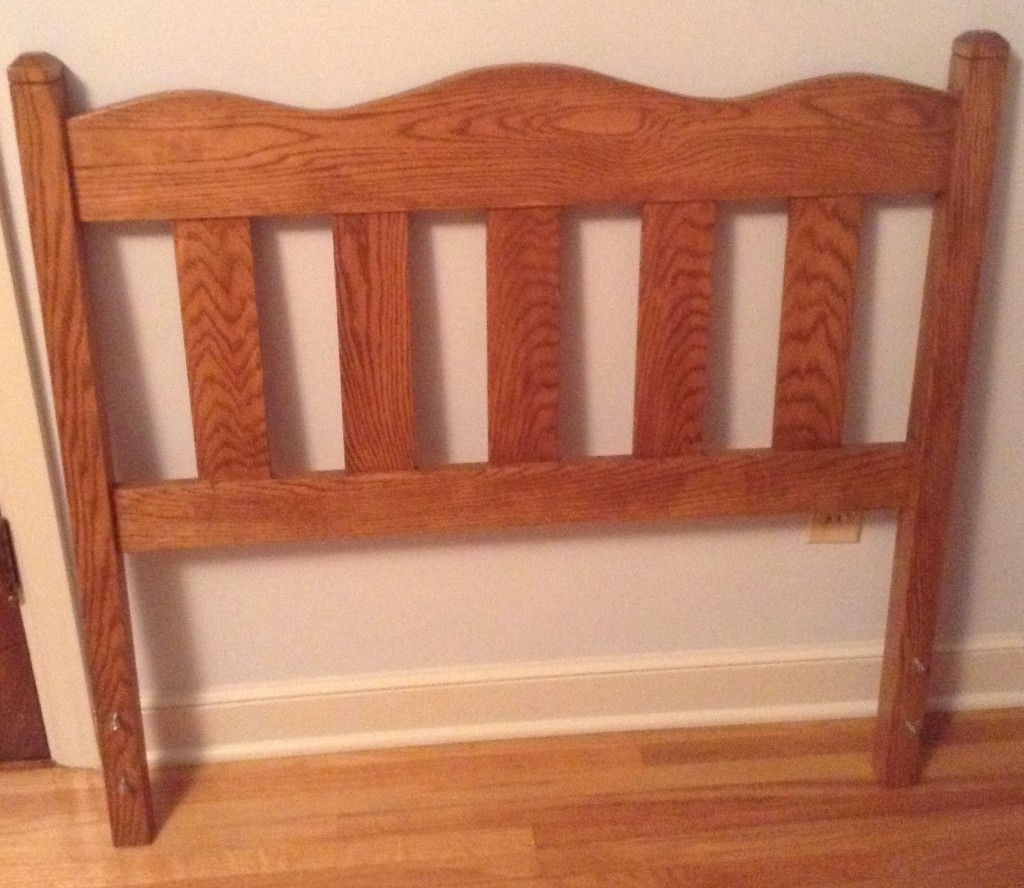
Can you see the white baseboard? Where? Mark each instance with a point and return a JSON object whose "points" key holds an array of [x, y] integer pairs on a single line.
{"points": [[729, 687]]}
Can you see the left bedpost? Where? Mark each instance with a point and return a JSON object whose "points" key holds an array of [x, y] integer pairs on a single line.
{"points": [[38, 95]]}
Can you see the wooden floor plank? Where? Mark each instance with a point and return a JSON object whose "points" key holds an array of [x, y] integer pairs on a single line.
{"points": [[767, 805]]}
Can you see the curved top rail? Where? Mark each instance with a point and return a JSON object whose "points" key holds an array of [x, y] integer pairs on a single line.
{"points": [[519, 135]]}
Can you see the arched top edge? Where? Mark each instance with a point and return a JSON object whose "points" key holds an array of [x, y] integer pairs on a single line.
{"points": [[519, 81], [977, 45], [35, 68]]}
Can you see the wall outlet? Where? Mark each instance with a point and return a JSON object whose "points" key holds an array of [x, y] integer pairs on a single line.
{"points": [[835, 527]]}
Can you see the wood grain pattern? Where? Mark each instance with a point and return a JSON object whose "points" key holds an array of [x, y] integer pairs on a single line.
{"points": [[374, 330], [725, 807], [516, 136], [323, 505], [521, 141], [676, 256], [522, 335], [817, 315], [38, 96], [222, 347], [977, 77]]}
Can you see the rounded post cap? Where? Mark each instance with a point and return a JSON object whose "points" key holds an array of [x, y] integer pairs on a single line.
{"points": [[981, 45], [35, 67]]}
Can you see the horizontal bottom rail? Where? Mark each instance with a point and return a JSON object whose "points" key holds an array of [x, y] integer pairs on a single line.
{"points": [[600, 490]]}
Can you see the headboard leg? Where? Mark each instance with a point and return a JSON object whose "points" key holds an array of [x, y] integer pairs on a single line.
{"points": [[976, 80], [37, 91], [906, 661]]}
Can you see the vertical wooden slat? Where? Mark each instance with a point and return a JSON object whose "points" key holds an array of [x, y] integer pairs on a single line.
{"points": [[676, 256], [371, 261], [38, 93], [817, 310], [977, 76], [522, 334], [222, 347]]}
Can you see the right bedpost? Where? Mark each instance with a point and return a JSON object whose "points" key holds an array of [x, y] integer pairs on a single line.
{"points": [[977, 73]]}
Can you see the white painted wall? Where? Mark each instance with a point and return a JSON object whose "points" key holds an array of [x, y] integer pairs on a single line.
{"points": [[226, 619], [26, 481]]}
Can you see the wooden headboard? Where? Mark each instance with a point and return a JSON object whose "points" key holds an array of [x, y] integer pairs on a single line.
{"points": [[521, 142]]}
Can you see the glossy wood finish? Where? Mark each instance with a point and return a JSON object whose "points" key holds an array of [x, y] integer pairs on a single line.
{"points": [[817, 317], [520, 142], [222, 347], [769, 805], [39, 113], [522, 335], [977, 75], [371, 260], [676, 259], [516, 136], [198, 514]]}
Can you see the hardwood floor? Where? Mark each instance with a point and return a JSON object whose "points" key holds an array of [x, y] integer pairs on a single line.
{"points": [[765, 805]]}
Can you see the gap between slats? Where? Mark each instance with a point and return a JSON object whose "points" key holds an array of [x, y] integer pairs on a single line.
{"points": [[222, 350]]}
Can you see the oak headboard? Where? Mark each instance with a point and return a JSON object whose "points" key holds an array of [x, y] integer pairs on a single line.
{"points": [[522, 143]]}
